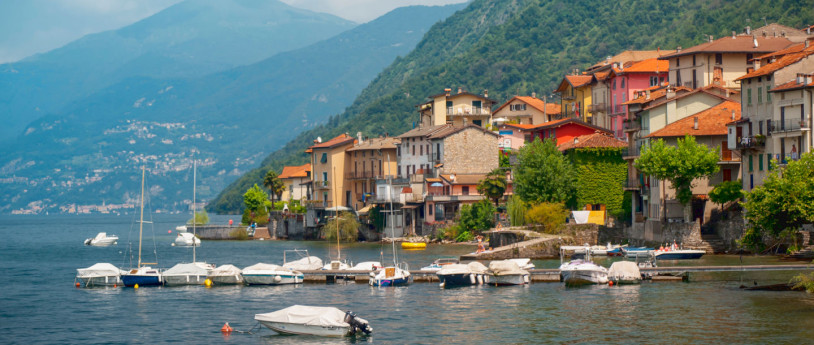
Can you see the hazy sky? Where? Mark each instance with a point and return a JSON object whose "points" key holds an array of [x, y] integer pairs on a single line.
{"points": [[28, 27]]}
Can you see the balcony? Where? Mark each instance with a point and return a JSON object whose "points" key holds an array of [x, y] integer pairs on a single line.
{"points": [[440, 197], [568, 97], [631, 153], [361, 175], [597, 108], [618, 109], [322, 185], [727, 157], [468, 110], [632, 126], [412, 197], [787, 158], [633, 184], [784, 126], [751, 143]]}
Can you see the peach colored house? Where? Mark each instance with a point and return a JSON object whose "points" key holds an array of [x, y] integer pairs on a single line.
{"points": [[296, 180], [459, 109], [526, 110], [329, 164]]}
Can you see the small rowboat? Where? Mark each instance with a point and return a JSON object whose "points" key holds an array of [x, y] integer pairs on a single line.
{"points": [[413, 245]]}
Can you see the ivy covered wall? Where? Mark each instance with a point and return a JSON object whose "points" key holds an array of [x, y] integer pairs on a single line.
{"points": [[601, 175]]}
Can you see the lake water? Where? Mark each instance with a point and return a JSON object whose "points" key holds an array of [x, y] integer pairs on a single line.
{"points": [[39, 303]]}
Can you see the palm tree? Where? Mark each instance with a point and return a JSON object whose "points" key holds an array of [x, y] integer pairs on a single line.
{"points": [[494, 185], [274, 184]]}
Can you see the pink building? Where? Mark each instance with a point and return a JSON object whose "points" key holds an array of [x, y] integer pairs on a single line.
{"points": [[625, 80]]}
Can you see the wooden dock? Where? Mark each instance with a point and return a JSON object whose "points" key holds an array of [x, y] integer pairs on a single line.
{"points": [[553, 274]]}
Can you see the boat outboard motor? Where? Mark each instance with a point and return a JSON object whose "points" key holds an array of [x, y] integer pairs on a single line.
{"points": [[357, 324]]}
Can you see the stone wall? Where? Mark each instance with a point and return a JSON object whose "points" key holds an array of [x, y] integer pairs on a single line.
{"points": [[216, 232], [731, 229], [654, 232], [288, 226], [470, 151], [582, 233]]}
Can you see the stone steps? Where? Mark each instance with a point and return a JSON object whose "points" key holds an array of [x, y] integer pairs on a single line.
{"points": [[710, 243]]}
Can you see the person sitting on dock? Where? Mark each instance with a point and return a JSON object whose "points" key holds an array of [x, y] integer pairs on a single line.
{"points": [[481, 248]]}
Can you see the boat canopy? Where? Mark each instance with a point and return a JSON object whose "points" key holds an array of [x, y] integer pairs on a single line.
{"points": [[454, 269], [625, 270], [263, 267], [306, 315], [505, 267], [306, 263], [100, 236], [225, 270], [477, 267], [97, 270], [195, 268], [367, 266]]}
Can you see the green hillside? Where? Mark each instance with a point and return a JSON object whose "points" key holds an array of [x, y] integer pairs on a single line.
{"points": [[528, 47]]}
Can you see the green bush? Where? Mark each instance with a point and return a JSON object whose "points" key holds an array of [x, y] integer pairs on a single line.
{"points": [[548, 217], [261, 217], [200, 218], [348, 228], [239, 234], [477, 217], [803, 280], [517, 210], [464, 236]]}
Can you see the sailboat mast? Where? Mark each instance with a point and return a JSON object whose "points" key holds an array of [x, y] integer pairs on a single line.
{"points": [[141, 218], [194, 216], [336, 209], [392, 225]]}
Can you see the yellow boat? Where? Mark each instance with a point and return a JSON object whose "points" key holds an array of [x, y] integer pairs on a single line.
{"points": [[413, 245]]}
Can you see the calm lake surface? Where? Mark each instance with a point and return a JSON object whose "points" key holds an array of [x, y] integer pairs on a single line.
{"points": [[39, 303]]}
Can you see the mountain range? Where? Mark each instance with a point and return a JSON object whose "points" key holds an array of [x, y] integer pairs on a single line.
{"points": [[88, 150], [516, 48]]}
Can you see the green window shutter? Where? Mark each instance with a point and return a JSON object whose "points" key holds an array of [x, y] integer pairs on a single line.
{"points": [[760, 162], [768, 95], [768, 161], [750, 163], [749, 96], [760, 95]]}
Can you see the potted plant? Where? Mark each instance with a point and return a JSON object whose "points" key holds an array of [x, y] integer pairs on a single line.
{"points": [[760, 139]]}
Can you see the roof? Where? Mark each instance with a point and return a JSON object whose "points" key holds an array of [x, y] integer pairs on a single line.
{"points": [[737, 44], [707, 90], [779, 64], [520, 126], [421, 131], [646, 66], [295, 171], [469, 179], [631, 55], [775, 29], [600, 76], [795, 48], [792, 85], [462, 93], [376, 144], [575, 81], [450, 130], [562, 122], [339, 140], [593, 140], [710, 122], [534, 102]]}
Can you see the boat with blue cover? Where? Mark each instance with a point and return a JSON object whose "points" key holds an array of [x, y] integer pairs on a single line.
{"points": [[679, 254], [142, 275]]}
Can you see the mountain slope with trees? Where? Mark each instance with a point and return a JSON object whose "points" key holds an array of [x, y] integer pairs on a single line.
{"points": [[528, 50]]}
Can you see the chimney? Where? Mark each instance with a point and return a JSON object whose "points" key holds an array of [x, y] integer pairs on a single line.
{"points": [[533, 94], [733, 115], [783, 33], [647, 93], [359, 137], [800, 78], [727, 93], [319, 139], [671, 93], [695, 123], [447, 91], [460, 90], [754, 40], [748, 30], [711, 38], [486, 93], [678, 49], [576, 140], [733, 35], [808, 42]]}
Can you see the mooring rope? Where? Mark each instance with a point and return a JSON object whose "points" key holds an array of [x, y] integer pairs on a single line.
{"points": [[250, 331]]}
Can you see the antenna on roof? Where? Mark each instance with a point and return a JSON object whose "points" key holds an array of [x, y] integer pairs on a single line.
{"points": [[764, 21]]}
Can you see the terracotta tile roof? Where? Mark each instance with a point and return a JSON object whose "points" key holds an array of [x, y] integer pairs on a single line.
{"points": [[578, 80], [710, 122], [706, 90], [738, 44], [520, 126], [631, 55], [594, 140], [600, 76], [295, 172], [792, 85], [796, 48], [422, 131], [779, 64], [466, 179], [646, 66], [375, 144], [462, 93], [656, 92], [339, 140], [775, 29], [536, 103], [450, 130]]}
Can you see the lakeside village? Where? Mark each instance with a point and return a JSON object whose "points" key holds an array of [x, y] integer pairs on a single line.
{"points": [[644, 147]]}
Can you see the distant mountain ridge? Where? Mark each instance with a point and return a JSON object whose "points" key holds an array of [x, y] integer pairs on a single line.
{"points": [[231, 119], [191, 38], [522, 46]]}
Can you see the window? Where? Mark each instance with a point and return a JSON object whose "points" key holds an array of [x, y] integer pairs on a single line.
{"points": [[760, 162], [719, 59], [768, 94], [324, 176], [429, 209], [654, 81], [768, 161], [678, 62], [438, 151], [465, 190], [749, 96], [678, 78], [693, 60], [421, 149], [623, 83], [760, 127], [398, 170], [727, 174], [749, 59], [759, 95], [694, 79], [398, 151], [413, 149], [324, 158], [477, 104]]}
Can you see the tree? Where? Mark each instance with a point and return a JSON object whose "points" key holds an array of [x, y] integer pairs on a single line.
{"points": [[516, 208], [680, 164], [274, 184], [348, 228], [543, 174], [199, 218], [477, 217], [494, 185], [254, 198], [549, 216], [725, 192], [781, 204]]}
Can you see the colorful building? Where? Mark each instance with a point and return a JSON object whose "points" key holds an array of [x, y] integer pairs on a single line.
{"points": [[526, 110], [575, 97], [459, 109], [624, 81], [296, 180]]}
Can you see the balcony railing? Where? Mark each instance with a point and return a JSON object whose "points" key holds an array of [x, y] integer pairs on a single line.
{"points": [[568, 97], [468, 111], [786, 158], [752, 142], [632, 126], [633, 184], [322, 184], [631, 153], [597, 107], [778, 126], [619, 109], [727, 156]]}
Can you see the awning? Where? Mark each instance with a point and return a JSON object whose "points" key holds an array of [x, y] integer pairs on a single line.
{"points": [[365, 210], [409, 206], [436, 184], [341, 208]]}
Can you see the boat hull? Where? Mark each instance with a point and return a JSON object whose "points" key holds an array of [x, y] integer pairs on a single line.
{"points": [[394, 281], [457, 279], [142, 280], [227, 280], [100, 281], [508, 279], [298, 329], [584, 277], [186, 279], [680, 255], [272, 279]]}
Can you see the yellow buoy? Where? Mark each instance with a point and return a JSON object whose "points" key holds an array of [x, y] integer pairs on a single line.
{"points": [[208, 283], [135, 286]]}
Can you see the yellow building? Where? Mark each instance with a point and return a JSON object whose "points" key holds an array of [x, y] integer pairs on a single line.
{"points": [[460, 109], [575, 97], [369, 160], [328, 165]]}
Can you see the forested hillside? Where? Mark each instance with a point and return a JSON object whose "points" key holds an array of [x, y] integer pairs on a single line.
{"points": [[528, 47]]}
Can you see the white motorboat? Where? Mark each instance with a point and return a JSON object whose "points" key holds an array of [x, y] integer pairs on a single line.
{"points": [[268, 274], [100, 274], [678, 254], [525, 264], [305, 262], [624, 272], [604, 250], [438, 264], [506, 272], [181, 228], [188, 274], [319, 321], [102, 240], [390, 276], [186, 239], [452, 275], [226, 274], [578, 272]]}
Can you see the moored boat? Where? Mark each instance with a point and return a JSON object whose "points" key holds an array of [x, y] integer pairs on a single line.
{"points": [[525, 264], [390, 276], [268, 274], [100, 274], [318, 321], [187, 274], [634, 252], [624, 272], [226, 274], [678, 254], [506, 272], [102, 239], [580, 272], [186, 239], [142, 275], [439, 264], [462, 275], [305, 262]]}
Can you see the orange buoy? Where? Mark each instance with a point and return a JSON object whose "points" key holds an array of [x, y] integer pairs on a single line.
{"points": [[610, 282], [114, 285], [226, 328], [77, 284]]}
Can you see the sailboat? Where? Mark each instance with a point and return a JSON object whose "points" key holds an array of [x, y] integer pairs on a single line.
{"points": [[194, 273], [397, 274], [142, 275]]}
